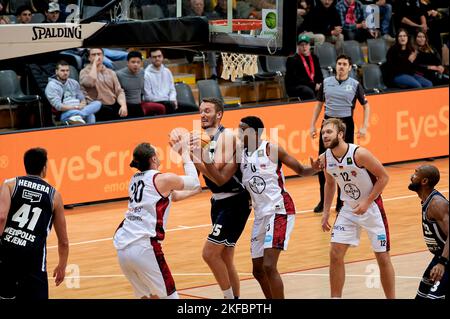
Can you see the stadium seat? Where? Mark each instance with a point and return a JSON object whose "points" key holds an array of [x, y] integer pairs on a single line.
{"points": [[277, 66], [37, 17], [73, 73], [372, 79], [153, 11], [353, 50], [208, 88], [120, 64], [377, 50], [185, 98], [11, 93], [326, 53]]}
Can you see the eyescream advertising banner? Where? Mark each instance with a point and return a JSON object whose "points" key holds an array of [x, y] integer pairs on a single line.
{"points": [[91, 163]]}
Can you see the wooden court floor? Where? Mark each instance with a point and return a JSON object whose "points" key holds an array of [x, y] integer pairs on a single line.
{"points": [[93, 270]]}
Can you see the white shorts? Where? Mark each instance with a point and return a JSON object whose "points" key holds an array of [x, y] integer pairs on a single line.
{"points": [[145, 267], [347, 227], [272, 231]]}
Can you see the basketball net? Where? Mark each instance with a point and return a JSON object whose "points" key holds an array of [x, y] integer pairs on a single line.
{"points": [[235, 65]]}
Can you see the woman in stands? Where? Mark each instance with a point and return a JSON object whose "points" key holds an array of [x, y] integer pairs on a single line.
{"points": [[428, 62], [400, 60]]}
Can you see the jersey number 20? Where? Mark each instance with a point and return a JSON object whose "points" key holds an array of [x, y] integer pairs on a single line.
{"points": [[137, 189]]}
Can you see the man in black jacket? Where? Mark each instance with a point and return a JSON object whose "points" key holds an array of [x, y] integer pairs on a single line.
{"points": [[322, 23], [303, 75]]}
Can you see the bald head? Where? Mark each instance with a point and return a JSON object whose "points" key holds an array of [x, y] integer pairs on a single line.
{"points": [[431, 173]]}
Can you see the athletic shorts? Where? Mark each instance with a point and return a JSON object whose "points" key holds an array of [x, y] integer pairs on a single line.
{"points": [[271, 231], [22, 277], [228, 218], [145, 267], [347, 227], [433, 290]]}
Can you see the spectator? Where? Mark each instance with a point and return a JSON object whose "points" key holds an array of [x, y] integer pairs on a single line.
{"points": [[428, 62], [65, 96], [437, 22], [303, 75], [100, 83], [410, 16], [352, 20], [4, 20], [385, 16], [158, 83], [52, 13], [400, 63], [131, 79], [24, 14], [323, 23]]}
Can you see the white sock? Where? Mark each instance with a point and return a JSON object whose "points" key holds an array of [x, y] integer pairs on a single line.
{"points": [[228, 294]]}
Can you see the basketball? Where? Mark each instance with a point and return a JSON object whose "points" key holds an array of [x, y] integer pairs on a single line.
{"points": [[204, 138], [271, 20]]}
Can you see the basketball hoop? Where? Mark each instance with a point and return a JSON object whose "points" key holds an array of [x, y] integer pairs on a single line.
{"points": [[235, 65]]}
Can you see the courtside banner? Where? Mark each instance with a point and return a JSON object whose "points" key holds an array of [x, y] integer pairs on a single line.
{"points": [[91, 163]]}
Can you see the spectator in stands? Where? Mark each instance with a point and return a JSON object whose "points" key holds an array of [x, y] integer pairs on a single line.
{"points": [[437, 21], [52, 13], [100, 83], [428, 62], [323, 23], [352, 20], [24, 14], [410, 16], [385, 14], [303, 7], [158, 83], [4, 20], [65, 96], [303, 75], [400, 63], [131, 79]]}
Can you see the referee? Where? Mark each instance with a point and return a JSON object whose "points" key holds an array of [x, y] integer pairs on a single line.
{"points": [[339, 93]]}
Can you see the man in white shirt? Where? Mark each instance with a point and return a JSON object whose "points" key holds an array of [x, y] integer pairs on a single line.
{"points": [[158, 83]]}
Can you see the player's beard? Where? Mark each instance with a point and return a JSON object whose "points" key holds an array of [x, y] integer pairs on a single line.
{"points": [[414, 186], [334, 143]]}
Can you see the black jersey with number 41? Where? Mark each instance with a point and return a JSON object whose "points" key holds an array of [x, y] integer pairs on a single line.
{"points": [[30, 215], [434, 236]]}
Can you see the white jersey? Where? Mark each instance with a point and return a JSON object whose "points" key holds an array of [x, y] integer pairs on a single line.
{"points": [[355, 182], [147, 212], [265, 182]]}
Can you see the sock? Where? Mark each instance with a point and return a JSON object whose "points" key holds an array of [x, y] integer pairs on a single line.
{"points": [[236, 297], [228, 294]]}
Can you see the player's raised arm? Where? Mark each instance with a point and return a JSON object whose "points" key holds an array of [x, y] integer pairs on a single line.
{"points": [[292, 162]]}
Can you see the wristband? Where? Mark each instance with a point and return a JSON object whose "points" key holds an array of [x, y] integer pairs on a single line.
{"points": [[442, 260]]}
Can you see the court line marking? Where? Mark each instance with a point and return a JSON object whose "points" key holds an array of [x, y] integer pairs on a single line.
{"points": [[182, 227], [240, 274]]}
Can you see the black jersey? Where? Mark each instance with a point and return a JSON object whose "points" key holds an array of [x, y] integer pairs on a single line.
{"points": [[30, 216], [434, 236], [234, 185]]}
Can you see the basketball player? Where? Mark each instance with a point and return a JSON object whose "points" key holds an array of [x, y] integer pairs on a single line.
{"points": [[434, 283], [28, 208], [361, 178], [139, 236], [230, 202], [274, 209]]}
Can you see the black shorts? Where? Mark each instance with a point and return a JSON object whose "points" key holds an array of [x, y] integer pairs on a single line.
{"points": [[228, 217], [22, 278], [433, 290]]}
